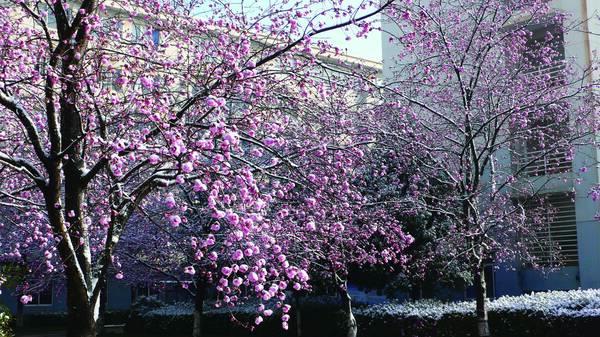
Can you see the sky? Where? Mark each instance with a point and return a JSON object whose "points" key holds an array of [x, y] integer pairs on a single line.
{"points": [[368, 48], [365, 47]]}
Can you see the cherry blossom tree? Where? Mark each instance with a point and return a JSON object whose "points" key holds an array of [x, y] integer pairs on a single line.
{"points": [[481, 93], [107, 105], [318, 140], [323, 219]]}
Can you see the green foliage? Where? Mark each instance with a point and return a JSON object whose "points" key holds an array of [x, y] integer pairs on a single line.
{"points": [[399, 182], [6, 322], [11, 274]]}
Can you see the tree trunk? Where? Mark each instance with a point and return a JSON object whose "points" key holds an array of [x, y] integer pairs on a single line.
{"points": [[80, 314], [483, 328], [298, 314], [416, 292], [102, 314], [19, 316], [199, 308], [349, 326]]}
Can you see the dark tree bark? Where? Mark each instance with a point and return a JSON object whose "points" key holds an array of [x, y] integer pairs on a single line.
{"points": [[483, 328], [199, 298], [297, 295], [102, 311], [349, 325], [81, 318], [19, 316]]}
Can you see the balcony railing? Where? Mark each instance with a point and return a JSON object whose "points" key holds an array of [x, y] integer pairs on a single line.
{"points": [[539, 163]]}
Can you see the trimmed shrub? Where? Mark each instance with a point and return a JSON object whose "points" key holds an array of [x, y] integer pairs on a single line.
{"points": [[552, 314]]}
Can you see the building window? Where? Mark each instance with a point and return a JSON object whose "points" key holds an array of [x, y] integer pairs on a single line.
{"points": [[42, 298], [555, 227], [138, 32], [156, 37], [540, 152], [143, 289]]}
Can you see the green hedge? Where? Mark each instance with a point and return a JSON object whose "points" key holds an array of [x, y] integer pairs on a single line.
{"points": [[59, 319], [317, 323], [522, 324], [553, 314]]}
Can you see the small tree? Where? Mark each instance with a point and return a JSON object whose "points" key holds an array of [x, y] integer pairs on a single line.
{"points": [[483, 92], [324, 219]]}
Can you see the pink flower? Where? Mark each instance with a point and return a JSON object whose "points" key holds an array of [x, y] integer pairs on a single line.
{"points": [[268, 312], [303, 276], [258, 320], [214, 102], [170, 201], [233, 218], [285, 318], [270, 141], [26, 299], [237, 255], [199, 186], [119, 276], [286, 308], [226, 271], [232, 138], [153, 159], [310, 226], [253, 277], [256, 153], [284, 325], [189, 270], [122, 81], [147, 82], [213, 256], [177, 148], [175, 220], [218, 214], [187, 167], [237, 281]]}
